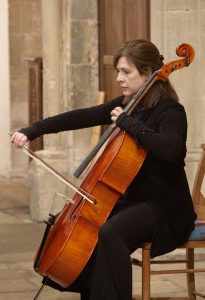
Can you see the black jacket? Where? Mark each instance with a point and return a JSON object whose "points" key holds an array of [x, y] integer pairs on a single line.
{"points": [[161, 181]]}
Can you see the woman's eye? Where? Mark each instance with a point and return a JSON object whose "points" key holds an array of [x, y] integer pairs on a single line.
{"points": [[123, 71]]}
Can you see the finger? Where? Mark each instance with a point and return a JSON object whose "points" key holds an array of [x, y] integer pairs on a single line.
{"points": [[119, 108], [114, 113], [117, 111], [22, 141], [113, 118], [14, 137], [19, 139]]}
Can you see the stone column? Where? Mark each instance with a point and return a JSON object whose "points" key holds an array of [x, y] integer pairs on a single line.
{"points": [[5, 152], [43, 184], [70, 59], [82, 69], [174, 22]]}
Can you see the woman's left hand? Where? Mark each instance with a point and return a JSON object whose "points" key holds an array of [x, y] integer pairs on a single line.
{"points": [[115, 113]]}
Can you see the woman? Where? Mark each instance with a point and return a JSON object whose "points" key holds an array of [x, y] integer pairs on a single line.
{"points": [[157, 206]]}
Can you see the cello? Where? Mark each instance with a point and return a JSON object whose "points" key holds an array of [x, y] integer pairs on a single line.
{"points": [[73, 234]]}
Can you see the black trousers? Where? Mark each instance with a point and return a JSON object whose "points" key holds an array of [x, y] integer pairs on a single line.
{"points": [[108, 274]]}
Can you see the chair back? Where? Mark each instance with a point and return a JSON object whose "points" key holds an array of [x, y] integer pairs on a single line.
{"points": [[197, 196]]}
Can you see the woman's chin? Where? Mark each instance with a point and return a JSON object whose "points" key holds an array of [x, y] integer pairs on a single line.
{"points": [[126, 93]]}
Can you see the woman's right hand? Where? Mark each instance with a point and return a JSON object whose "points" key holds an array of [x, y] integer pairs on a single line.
{"points": [[19, 139]]}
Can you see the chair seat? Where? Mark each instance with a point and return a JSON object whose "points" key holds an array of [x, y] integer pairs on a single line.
{"points": [[198, 234]]}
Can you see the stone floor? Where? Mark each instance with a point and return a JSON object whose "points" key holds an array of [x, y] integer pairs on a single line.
{"points": [[19, 239]]}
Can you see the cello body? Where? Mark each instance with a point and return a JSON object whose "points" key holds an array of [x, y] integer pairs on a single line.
{"points": [[74, 235]]}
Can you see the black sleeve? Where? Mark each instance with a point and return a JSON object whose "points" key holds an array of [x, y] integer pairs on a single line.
{"points": [[75, 119], [168, 142]]}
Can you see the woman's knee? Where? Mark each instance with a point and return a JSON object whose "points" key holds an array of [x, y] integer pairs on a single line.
{"points": [[105, 233]]}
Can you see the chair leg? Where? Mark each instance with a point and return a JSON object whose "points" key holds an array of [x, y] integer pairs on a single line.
{"points": [[145, 274], [190, 276]]}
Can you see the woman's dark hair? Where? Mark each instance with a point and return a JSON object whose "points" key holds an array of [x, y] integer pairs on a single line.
{"points": [[146, 57]]}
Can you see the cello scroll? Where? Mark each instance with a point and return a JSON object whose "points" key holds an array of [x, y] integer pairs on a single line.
{"points": [[183, 50]]}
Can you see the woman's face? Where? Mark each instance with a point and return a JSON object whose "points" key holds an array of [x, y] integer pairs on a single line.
{"points": [[129, 78]]}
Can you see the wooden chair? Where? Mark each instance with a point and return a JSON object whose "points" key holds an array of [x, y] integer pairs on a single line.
{"points": [[196, 240]]}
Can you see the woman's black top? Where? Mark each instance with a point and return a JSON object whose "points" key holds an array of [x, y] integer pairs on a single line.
{"points": [[161, 181]]}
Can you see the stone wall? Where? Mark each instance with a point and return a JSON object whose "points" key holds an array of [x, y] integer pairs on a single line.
{"points": [[172, 23], [25, 44], [5, 148]]}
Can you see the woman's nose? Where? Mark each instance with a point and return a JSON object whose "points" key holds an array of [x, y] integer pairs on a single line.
{"points": [[119, 77]]}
